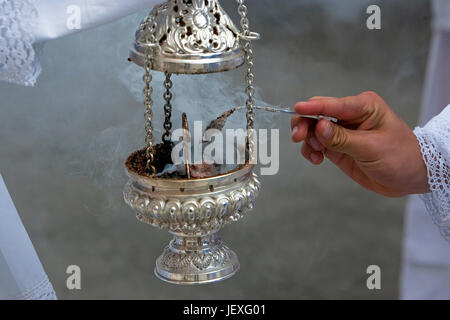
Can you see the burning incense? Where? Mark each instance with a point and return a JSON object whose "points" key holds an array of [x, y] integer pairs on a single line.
{"points": [[186, 144], [220, 122]]}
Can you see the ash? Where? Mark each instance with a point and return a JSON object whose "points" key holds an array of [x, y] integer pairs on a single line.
{"points": [[198, 171]]}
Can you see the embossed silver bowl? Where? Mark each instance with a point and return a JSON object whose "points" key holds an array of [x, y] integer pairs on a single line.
{"points": [[193, 211]]}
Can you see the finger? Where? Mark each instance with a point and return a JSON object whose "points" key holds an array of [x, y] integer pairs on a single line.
{"points": [[341, 160], [314, 142], [319, 98], [294, 120], [349, 166], [357, 144], [300, 128], [311, 155], [345, 109]]}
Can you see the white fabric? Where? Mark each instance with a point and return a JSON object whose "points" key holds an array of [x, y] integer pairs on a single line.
{"points": [[441, 15], [21, 272], [426, 254], [434, 140], [19, 62], [53, 14], [25, 25]]}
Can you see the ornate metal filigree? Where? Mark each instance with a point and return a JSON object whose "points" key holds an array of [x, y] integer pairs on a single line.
{"points": [[197, 26], [215, 257], [208, 260], [192, 214], [194, 211], [191, 36]]}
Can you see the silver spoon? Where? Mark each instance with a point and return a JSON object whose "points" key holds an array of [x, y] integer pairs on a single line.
{"points": [[292, 113], [220, 122]]}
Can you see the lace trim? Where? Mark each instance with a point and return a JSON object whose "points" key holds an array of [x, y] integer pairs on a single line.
{"points": [[434, 142], [19, 58], [41, 291]]}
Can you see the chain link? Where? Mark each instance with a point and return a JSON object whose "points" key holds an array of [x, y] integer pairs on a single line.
{"points": [[148, 90], [167, 108], [249, 77]]}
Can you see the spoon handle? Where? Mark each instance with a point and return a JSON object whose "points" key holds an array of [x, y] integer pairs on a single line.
{"points": [[289, 112]]}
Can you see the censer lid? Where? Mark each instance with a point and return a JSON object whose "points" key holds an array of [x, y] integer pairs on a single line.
{"points": [[191, 37]]}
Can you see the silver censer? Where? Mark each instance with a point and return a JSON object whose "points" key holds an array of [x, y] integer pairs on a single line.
{"points": [[191, 37]]}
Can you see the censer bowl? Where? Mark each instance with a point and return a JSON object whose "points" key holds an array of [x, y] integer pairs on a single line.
{"points": [[193, 211]]}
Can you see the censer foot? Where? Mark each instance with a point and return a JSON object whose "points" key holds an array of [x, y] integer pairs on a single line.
{"points": [[196, 260]]}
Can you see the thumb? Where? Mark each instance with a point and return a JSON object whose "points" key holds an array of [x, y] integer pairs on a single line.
{"points": [[339, 139]]}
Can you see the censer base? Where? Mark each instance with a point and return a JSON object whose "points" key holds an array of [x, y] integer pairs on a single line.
{"points": [[196, 260], [193, 210]]}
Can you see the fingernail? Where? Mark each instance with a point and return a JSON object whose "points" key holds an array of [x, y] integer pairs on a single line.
{"points": [[294, 131], [314, 158], [328, 131], [315, 144]]}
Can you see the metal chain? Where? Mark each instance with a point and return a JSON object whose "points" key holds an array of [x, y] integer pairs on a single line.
{"points": [[167, 108], [148, 90], [249, 77]]}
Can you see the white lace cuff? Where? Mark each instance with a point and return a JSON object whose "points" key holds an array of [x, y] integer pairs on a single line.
{"points": [[434, 140], [19, 55]]}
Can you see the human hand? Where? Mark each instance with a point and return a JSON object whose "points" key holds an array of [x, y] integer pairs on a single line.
{"points": [[370, 143]]}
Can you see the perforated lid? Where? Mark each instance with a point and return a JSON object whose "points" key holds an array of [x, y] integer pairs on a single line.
{"points": [[192, 36]]}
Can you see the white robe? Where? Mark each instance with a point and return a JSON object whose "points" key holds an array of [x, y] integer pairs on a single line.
{"points": [[21, 272], [27, 24], [426, 254]]}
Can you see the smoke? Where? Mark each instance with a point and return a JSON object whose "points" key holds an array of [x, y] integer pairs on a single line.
{"points": [[343, 10], [202, 97], [302, 41]]}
